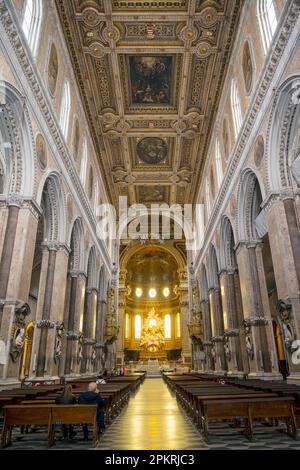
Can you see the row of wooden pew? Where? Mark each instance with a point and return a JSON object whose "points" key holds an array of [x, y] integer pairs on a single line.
{"points": [[209, 399], [35, 406]]}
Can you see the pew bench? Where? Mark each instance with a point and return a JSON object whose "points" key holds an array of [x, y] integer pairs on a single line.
{"points": [[48, 415], [250, 410]]}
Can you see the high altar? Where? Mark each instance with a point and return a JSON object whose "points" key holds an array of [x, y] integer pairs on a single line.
{"points": [[152, 322]]}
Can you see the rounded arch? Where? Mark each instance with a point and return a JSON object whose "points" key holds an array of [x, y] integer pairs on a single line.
{"points": [[52, 201], [136, 247], [283, 142], [77, 246], [203, 284], [213, 268], [250, 197], [17, 149], [227, 253], [103, 283], [92, 269]]}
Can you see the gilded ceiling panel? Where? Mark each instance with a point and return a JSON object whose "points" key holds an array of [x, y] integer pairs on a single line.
{"points": [[150, 74]]}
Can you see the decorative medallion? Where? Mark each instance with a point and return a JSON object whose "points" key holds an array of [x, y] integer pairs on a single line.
{"points": [[52, 69], [259, 150], [203, 50], [70, 207], [41, 151], [233, 206], [247, 67], [152, 150], [91, 18]]}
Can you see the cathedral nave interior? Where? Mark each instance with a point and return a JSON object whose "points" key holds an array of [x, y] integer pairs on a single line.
{"points": [[149, 222]]}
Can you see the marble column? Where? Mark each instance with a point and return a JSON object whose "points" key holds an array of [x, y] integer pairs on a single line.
{"points": [[232, 325], [186, 342], [44, 322], [89, 329], [207, 333], [101, 313], [217, 329], [71, 322], [282, 215], [19, 220], [259, 332], [121, 319]]}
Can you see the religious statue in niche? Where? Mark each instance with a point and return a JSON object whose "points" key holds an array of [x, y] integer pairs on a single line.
{"points": [[259, 150], [285, 312], [58, 342], [152, 150], [247, 67], [41, 151], [19, 331], [249, 346], [52, 69], [80, 350], [150, 79]]}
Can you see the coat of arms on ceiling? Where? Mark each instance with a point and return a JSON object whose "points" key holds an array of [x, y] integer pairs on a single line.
{"points": [[152, 150], [150, 79]]}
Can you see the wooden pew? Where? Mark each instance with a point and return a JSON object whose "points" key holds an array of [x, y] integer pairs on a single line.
{"points": [[47, 415], [249, 409]]}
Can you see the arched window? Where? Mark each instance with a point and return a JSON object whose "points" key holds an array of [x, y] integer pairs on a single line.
{"points": [[138, 327], [127, 326], [168, 326], [207, 196], [219, 164], [200, 226], [96, 197], [236, 108], [65, 110], [31, 24], [178, 325], [83, 163], [1, 180], [267, 22]]}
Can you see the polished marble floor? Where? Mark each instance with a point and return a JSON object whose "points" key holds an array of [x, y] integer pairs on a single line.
{"points": [[152, 421]]}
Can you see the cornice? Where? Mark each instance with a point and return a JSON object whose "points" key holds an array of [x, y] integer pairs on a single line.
{"points": [[276, 62], [22, 55]]}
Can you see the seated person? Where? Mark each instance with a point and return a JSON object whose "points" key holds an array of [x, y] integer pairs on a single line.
{"points": [[67, 398], [92, 397]]}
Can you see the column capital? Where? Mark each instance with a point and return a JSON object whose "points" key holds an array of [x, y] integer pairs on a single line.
{"points": [[15, 200], [50, 246], [247, 244], [91, 290]]}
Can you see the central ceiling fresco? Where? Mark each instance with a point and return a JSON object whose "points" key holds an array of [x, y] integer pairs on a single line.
{"points": [[150, 75]]}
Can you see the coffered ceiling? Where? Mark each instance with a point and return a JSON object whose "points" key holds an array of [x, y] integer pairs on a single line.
{"points": [[150, 75]]}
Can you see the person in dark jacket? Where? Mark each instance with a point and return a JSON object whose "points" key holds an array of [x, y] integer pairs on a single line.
{"points": [[67, 398], [92, 397]]}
